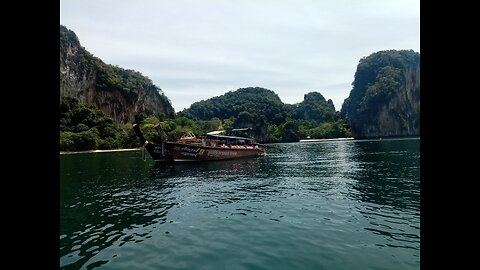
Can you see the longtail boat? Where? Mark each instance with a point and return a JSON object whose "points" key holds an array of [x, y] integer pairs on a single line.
{"points": [[210, 146]]}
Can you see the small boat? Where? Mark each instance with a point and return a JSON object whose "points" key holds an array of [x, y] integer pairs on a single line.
{"points": [[210, 146]]}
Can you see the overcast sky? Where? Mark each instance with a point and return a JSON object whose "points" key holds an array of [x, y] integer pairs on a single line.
{"points": [[198, 49]]}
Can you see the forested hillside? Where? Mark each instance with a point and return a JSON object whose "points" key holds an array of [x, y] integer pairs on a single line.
{"points": [[272, 120], [99, 102], [121, 93], [385, 98]]}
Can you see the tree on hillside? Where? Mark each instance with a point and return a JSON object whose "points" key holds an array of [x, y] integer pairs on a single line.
{"points": [[315, 107], [253, 99], [386, 85]]}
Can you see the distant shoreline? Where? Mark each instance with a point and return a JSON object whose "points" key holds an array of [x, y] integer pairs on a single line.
{"points": [[100, 151], [323, 140], [302, 141]]}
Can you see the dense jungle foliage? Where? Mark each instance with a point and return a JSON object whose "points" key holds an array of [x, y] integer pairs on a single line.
{"points": [[385, 80], [84, 127]]}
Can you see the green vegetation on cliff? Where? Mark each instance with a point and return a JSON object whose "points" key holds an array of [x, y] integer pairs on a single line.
{"points": [[80, 72], [253, 99], [99, 102], [385, 98], [80, 60], [271, 119], [85, 127], [315, 107]]}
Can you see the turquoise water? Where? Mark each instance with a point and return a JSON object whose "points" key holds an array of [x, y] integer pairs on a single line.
{"points": [[317, 205]]}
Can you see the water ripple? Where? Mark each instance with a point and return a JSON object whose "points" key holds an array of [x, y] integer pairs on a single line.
{"points": [[332, 205]]}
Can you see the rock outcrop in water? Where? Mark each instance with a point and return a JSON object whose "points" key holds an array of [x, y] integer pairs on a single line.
{"points": [[385, 99], [119, 92]]}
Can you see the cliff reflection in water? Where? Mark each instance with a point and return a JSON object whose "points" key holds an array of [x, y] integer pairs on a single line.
{"points": [[388, 172], [107, 204], [387, 181]]}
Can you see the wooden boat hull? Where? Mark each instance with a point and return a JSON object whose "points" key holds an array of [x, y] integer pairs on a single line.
{"points": [[185, 152], [175, 151], [158, 152]]}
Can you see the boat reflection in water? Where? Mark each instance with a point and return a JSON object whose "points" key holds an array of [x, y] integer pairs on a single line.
{"points": [[206, 170]]}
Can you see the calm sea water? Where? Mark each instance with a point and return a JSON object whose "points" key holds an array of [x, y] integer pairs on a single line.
{"points": [[317, 205]]}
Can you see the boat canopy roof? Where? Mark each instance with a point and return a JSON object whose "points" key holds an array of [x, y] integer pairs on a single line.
{"points": [[228, 137], [216, 132]]}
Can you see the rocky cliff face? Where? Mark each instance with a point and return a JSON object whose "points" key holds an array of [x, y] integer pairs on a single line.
{"points": [[257, 124], [118, 92], [385, 99]]}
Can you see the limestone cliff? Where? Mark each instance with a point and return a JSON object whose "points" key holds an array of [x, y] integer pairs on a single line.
{"points": [[385, 99], [119, 92]]}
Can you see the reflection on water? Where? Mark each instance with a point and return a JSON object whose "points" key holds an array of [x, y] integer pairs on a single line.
{"points": [[331, 205], [204, 169], [386, 169], [388, 182], [106, 201]]}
